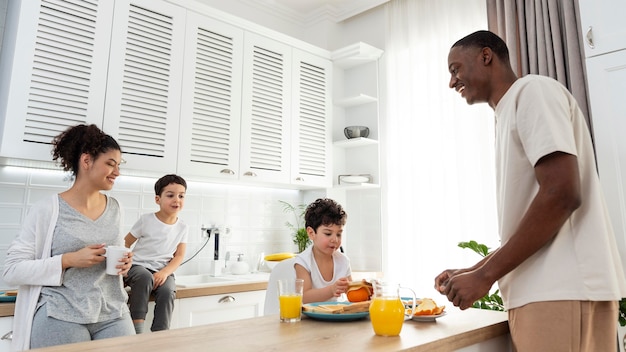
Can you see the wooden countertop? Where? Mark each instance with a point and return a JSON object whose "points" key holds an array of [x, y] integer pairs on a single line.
{"points": [[455, 330], [7, 309]]}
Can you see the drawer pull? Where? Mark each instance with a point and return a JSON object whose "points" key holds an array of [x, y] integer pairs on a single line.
{"points": [[226, 299], [589, 37]]}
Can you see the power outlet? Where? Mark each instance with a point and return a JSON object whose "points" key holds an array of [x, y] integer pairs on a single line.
{"points": [[205, 231]]}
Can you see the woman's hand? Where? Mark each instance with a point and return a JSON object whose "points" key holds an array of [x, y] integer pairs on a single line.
{"points": [[84, 257], [126, 264]]}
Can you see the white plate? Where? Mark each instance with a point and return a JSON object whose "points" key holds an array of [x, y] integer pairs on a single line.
{"points": [[354, 179], [427, 317]]}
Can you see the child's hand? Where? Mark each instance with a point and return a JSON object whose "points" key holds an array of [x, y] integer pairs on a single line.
{"points": [[340, 286], [159, 278]]}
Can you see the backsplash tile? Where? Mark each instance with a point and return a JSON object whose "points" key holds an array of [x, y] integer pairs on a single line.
{"points": [[253, 214]]}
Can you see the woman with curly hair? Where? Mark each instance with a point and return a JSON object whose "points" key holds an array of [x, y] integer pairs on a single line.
{"points": [[57, 259]]}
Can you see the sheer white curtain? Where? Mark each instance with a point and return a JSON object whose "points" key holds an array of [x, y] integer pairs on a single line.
{"points": [[437, 150]]}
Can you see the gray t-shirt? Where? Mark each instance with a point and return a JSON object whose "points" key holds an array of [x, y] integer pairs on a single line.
{"points": [[87, 295]]}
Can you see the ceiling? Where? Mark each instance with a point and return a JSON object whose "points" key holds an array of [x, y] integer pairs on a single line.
{"points": [[311, 11]]}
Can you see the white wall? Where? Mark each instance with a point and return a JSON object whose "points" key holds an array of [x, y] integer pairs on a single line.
{"points": [[254, 214]]}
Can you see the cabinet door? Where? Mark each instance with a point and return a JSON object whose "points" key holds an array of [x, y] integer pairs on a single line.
{"points": [[607, 84], [266, 109], [6, 326], [53, 69], [211, 101], [220, 308], [603, 26], [311, 118], [144, 83]]}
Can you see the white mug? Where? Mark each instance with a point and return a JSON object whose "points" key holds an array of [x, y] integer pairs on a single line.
{"points": [[113, 255]]}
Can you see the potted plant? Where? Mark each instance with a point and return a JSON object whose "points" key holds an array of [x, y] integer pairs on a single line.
{"points": [[491, 301], [300, 237]]}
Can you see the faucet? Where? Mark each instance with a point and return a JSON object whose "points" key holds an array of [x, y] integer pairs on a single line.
{"points": [[215, 231]]}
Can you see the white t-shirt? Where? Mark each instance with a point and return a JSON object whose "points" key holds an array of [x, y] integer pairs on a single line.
{"points": [[156, 241], [341, 264], [538, 116]]}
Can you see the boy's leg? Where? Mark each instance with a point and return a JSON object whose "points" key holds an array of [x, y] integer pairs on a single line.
{"points": [[141, 282], [164, 296]]}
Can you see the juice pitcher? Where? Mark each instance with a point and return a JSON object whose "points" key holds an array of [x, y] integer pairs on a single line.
{"points": [[387, 311]]}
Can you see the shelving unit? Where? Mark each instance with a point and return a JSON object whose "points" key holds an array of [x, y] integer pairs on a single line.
{"points": [[355, 101]]}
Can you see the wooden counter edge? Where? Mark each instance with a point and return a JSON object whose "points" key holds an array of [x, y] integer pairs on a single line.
{"points": [[7, 309]]}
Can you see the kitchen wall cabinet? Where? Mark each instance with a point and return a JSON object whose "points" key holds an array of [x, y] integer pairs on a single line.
{"points": [[114, 64], [54, 70], [144, 82], [603, 27], [254, 109], [210, 116], [311, 145], [220, 308], [180, 91], [356, 93]]}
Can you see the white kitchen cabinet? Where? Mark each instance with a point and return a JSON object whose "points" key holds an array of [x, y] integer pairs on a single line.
{"points": [[144, 82], [311, 144], [114, 64], [6, 326], [603, 26], [606, 79], [54, 69], [220, 308], [210, 116], [266, 110], [253, 109]]}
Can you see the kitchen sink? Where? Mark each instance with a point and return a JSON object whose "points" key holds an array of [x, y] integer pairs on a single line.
{"points": [[205, 280]]}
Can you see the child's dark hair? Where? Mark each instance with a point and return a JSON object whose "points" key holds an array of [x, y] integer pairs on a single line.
{"points": [[324, 211], [167, 180], [68, 146]]}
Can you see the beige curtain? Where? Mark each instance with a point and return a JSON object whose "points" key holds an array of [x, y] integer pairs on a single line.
{"points": [[543, 38]]}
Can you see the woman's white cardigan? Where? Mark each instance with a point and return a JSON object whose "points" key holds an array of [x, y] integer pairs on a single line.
{"points": [[29, 265]]}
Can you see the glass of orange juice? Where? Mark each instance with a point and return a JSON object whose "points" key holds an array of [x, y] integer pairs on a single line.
{"points": [[290, 299]]}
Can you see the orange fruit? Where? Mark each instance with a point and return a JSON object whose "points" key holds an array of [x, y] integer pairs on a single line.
{"points": [[358, 295]]}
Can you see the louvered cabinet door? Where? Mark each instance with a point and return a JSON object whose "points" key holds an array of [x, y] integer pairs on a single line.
{"points": [[211, 100], [144, 84], [53, 72], [311, 121], [266, 111]]}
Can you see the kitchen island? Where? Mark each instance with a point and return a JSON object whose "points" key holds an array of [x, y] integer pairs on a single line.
{"points": [[458, 330]]}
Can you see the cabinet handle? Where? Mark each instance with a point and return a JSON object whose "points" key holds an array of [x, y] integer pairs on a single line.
{"points": [[250, 173], [227, 171], [589, 37], [300, 178], [226, 299], [7, 336]]}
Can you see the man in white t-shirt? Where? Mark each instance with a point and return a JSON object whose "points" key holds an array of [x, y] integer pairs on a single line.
{"points": [[160, 241], [558, 267]]}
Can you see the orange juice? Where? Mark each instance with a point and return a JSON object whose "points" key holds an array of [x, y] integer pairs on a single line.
{"points": [[387, 315], [290, 307]]}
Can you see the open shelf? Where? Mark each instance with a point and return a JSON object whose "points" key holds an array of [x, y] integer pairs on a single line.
{"points": [[356, 100], [355, 142]]}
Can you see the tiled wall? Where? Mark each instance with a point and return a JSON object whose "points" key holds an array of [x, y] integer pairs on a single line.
{"points": [[253, 214]]}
